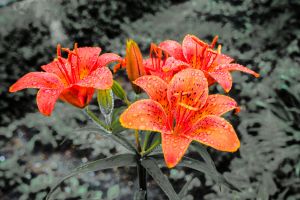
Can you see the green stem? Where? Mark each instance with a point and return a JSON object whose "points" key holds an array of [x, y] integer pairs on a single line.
{"points": [[96, 119], [137, 140], [151, 148], [146, 140]]}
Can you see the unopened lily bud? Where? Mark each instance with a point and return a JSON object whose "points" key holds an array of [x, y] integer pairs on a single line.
{"points": [[134, 62]]}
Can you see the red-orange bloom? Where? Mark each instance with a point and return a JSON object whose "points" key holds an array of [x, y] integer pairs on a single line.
{"points": [[200, 55], [182, 111], [72, 80], [160, 64]]}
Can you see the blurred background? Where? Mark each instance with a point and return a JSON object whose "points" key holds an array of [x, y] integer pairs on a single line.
{"points": [[263, 35]]}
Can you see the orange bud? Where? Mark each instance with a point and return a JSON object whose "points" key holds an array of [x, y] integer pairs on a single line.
{"points": [[134, 62]]}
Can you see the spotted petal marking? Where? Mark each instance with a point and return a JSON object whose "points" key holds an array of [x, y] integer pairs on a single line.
{"points": [[156, 88], [216, 132], [188, 88], [216, 104], [145, 115]]}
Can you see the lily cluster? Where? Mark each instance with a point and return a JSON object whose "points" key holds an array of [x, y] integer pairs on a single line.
{"points": [[176, 78]]}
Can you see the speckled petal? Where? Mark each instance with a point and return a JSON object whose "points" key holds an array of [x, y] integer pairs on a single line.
{"points": [[145, 115], [100, 79], [216, 104], [188, 88], [235, 67], [174, 147], [223, 78], [37, 80], [173, 48], [215, 132], [156, 88], [46, 99]]}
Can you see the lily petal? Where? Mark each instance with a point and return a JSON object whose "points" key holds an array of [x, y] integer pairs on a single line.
{"points": [[107, 58], [88, 57], [37, 80], [100, 79], [216, 104], [222, 59], [174, 147], [155, 87], [192, 47], [46, 99], [235, 67], [188, 88], [145, 115], [61, 68], [173, 48], [223, 78], [174, 65], [77, 96], [216, 132]]}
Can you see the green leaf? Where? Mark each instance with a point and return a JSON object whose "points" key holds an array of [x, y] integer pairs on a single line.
{"points": [[199, 166], [153, 169], [101, 164], [202, 150], [203, 167], [184, 189], [113, 192], [119, 91]]}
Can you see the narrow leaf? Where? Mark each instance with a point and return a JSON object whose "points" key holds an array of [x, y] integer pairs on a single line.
{"points": [[101, 164], [202, 150], [184, 189], [201, 167], [152, 168]]}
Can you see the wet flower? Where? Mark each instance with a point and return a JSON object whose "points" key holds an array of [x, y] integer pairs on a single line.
{"points": [[72, 80], [160, 64], [200, 55], [182, 111]]}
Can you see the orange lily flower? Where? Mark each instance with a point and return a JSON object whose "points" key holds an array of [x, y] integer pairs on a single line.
{"points": [[160, 64], [200, 55], [182, 111], [73, 80]]}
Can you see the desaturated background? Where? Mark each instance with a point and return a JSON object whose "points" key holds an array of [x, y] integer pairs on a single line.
{"points": [[263, 35]]}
